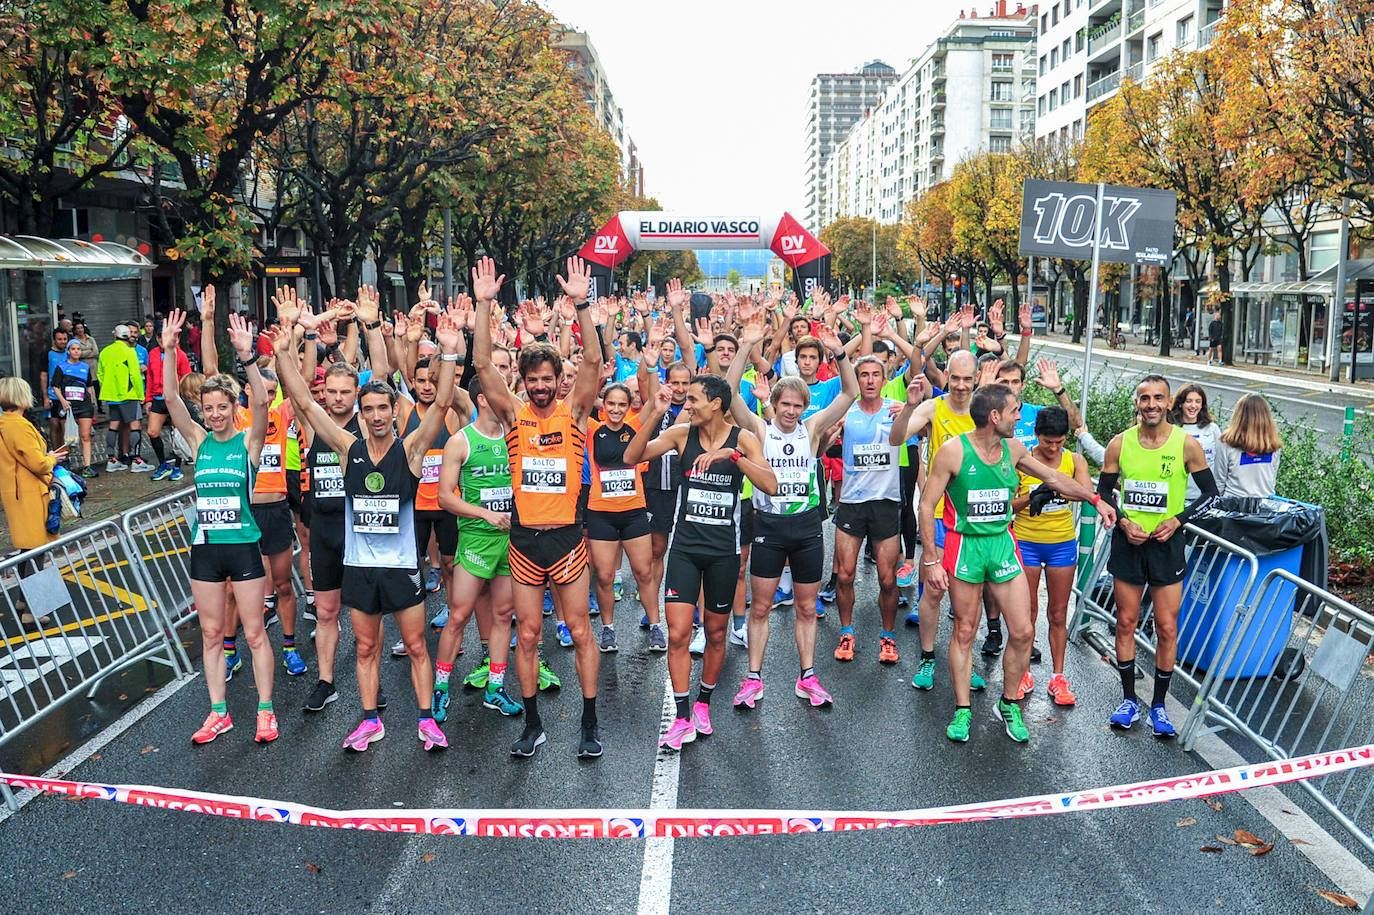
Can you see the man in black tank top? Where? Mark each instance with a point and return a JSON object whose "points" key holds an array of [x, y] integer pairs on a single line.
{"points": [[703, 554]]}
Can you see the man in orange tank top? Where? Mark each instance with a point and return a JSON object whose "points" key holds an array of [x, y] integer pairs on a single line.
{"points": [[546, 442]]}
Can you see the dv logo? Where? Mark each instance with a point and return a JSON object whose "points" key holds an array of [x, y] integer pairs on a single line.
{"points": [[606, 244], [793, 244], [1069, 220]]}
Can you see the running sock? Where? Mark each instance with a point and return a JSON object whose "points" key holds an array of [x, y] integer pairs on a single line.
{"points": [[441, 673], [1125, 667], [265, 706], [486, 652], [609, 626], [704, 693], [1004, 701], [219, 708], [683, 701], [805, 672], [755, 675], [288, 642], [230, 646], [111, 442], [370, 714], [135, 443], [888, 634], [588, 711], [994, 625], [927, 655], [497, 677], [158, 450], [1162, 678], [846, 630], [425, 713], [532, 719]]}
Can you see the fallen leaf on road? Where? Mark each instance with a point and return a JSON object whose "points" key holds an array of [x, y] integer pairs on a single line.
{"points": [[96, 757], [1337, 899], [1246, 837], [69, 875], [312, 867], [1186, 821], [1213, 803], [1226, 840], [1214, 849], [146, 750], [427, 857], [1298, 842], [1263, 850]]}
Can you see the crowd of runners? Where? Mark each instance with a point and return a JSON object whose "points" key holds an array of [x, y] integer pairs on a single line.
{"points": [[519, 459]]}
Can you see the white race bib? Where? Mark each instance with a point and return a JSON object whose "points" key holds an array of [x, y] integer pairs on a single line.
{"points": [[1151, 496], [270, 459], [377, 514], [495, 499], [219, 513], [74, 394], [617, 484], [429, 470], [328, 482], [544, 474], [989, 504], [707, 506], [877, 456]]}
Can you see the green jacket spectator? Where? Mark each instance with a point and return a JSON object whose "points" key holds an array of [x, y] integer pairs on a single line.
{"points": [[119, 373]]}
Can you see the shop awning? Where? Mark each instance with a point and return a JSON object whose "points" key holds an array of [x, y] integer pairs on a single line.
{"points": [[1323, 284], [28, 252]]}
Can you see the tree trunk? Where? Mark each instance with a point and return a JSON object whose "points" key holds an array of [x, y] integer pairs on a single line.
{"points": [[1080, 306], [1228, 311], [1165, 314]]}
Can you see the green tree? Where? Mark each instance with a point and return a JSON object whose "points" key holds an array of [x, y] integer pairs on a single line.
{"points": [[852, 241], [732, 278]]}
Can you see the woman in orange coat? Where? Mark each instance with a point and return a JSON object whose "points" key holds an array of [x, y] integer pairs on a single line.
{"points": [[26, 470]]}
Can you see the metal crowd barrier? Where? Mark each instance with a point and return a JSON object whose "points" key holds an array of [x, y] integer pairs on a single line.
{"points": [[104, 615], [161, 531], [1293, 681]]}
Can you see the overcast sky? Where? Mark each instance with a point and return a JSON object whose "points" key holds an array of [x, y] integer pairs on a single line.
{"points": [[714, 91]]}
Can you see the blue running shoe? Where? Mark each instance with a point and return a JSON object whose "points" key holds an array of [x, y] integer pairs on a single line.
{"points": [[548, 603], [564, 636], [914, 617], [438, 706], [164, 470], [696, 616], [440, 619], [1160, 725], [644, 621], [781, 598], [293, 662], [512, 637], [820, 609], [233, 663], [1126, 714], [176, 473], [827, 593], [501, 701], [902, 600], [593, 606], [618, 588], [906, 574], [432, 581]]}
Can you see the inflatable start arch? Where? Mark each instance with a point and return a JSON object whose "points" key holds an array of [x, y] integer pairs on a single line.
{"points": [[657, 230]]}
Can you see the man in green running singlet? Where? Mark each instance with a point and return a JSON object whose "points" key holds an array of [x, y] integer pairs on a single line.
{"points": [[976, 473]]}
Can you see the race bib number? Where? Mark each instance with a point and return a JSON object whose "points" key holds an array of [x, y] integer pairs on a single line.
{"points": [[989, 504], [544, 474], [429, 470], [219, 513], [872, 457], [74, 394], [1150, 496], [377, 515], [270, 459], [707, 506], [495, 499], [794, 484], [328, 482], [617, 484], [1057, 504]]}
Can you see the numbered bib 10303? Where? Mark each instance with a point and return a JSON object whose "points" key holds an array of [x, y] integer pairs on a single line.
{"points": [[989, 504]]}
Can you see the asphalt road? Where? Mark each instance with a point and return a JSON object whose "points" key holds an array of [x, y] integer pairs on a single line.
{"points": [[880, 747]]}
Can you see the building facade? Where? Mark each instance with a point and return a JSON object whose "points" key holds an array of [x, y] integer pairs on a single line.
{"points": [[588, 72], [836, 103]]}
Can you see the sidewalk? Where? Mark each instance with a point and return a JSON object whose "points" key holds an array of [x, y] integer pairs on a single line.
{"points": [[1182, 357], [111, 494]]}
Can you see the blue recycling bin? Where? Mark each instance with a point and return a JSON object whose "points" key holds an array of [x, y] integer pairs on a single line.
{"points": [[1278, 531]]}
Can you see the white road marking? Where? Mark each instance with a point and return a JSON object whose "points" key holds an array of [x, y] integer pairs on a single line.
{"points": [[101, 740], [656, 876], [1331, 857]]}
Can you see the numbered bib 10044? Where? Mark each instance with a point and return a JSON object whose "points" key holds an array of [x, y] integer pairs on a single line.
{"points": [[877, 456]]}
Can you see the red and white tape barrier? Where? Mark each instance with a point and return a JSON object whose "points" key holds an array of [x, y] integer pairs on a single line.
{"points": [[639, 824]]}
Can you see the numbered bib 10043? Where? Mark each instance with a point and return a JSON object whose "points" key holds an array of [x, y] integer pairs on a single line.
{"points": [[1150, 496], [544, 474], [219, 513], [377, 514]]}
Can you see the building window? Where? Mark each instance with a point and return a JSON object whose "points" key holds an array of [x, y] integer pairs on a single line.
{"points": [[1003, 61], [1066, 49], [1044, 23], [1185, 32], [1153, 44], [1000, 119], [1042, 64], [1324, 248], [1054, 58], [999, 144], [1064, 92], [1042, 106], [1078, 128], [1066, 7], [1054, 17], [1001, 92], [1054, 99], [1078, 85]]}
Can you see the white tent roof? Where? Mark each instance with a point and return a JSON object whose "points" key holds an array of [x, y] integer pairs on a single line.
{"points": [[28, 252]]}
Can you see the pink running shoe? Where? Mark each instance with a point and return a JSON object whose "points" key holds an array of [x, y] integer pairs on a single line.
{"points": [[701, 719], [368, 732], [810, 688], [681, 731], [750, 692], [214, 726], [431, 736]]}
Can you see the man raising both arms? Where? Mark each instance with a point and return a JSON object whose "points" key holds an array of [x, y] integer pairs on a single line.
{"points": [[546, 444], [975, 475], [1151, 462], [381, 572]]}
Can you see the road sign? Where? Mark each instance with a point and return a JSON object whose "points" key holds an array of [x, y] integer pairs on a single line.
{"points": [[1058, 219]]}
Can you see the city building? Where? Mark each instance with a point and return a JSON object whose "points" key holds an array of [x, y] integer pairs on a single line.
{"points": [[837, 102], [970, 90], [586, 68]]}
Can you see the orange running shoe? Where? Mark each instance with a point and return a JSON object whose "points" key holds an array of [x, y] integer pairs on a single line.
{"points": [[887, 651], [1027, 685], [215, 725], [1060, 691], [845, 650], [267, 727]]}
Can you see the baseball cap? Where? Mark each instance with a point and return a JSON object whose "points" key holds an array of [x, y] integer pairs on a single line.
{"points": [[121, 331]]}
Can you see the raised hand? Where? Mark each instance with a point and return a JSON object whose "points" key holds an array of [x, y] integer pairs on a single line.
{"points": [[929, 332], [464, 315], [531, 320], [207, 303], [677, 296], [486, 285], [703, 333], [310, 322], [753, 332], [995, 316], [448, 334], [240, 337], [641, 303], [423, 293], [987, 372], [288, 305], [171, 329], [762, 390], [599, 312], [916, 390], [864, 314], [657, 332], [402, 328], [820, 303], [829, 339], [966, 316], [881, 326], [369, 303], [579, 281], [1048, 374], [894, 310], [1023, 316], [663, 398]]}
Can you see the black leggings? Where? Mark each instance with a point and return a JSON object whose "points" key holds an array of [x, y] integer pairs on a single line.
{"points": [[909, 474]]}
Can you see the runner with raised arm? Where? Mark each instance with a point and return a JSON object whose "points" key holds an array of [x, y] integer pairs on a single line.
{"points": [[224, 537], [381, 563], [546, 443], [787, 529]]}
